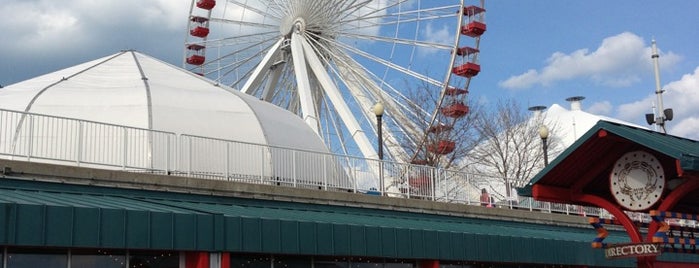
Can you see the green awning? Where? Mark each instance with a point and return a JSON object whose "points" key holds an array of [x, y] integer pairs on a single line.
{"points": [[61, 215]]}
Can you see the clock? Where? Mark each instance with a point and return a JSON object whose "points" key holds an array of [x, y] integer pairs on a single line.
{"points": [[637, 180]]}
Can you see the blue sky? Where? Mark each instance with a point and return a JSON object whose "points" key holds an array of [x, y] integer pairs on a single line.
{"points": [[539, 52], [544, 51]]}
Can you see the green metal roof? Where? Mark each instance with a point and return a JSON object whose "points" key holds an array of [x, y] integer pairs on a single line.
{"points": [[61, 215]]}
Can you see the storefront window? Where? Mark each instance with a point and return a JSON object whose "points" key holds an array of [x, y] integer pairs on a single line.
{"points": [[251, 261], [366, 263], [154, 259], [331, 263], [398, 264], [17, 258], [98, 258], [292, 261]]}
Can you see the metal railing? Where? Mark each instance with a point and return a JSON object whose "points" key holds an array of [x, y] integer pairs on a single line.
{"points": [[60, 140]]}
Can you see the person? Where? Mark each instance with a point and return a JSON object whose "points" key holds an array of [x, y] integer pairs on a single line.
{"points": [[485, 198]]}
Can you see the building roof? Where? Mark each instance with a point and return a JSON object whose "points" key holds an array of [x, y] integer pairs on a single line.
{"points": [[584, 167], [132, 89], [44, 214], [571, 124]]}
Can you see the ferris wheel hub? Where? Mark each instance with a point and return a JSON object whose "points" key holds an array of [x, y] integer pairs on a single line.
{"points": [[291, 25]]}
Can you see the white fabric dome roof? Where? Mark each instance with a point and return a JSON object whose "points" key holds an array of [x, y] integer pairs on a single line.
{"points": [[132, 89]]}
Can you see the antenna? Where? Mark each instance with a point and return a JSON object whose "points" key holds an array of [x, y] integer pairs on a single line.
{"points": [[661, 116]]}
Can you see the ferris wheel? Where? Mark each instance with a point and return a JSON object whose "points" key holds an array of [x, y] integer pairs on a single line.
{"points": [[332, 61]]}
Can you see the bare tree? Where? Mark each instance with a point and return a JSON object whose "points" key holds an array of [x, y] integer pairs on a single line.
{"points": [[510, 150], [460, 130]]}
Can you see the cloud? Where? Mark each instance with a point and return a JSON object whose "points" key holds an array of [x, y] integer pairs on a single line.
{"points": [[45, 35], [433, 35], [616, 63], [601, 108], [682, 96]]}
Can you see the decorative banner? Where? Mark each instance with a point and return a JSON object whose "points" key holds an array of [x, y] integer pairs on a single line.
{"points": [[616, 251]]}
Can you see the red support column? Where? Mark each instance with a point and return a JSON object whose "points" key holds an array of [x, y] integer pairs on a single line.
{"points": [[196, 259], [626, 222], [429, 264], [225, 260]]}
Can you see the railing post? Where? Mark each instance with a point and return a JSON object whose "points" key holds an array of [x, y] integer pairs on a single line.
{"points": [[354, 176], [228, 161], [80, 143], [531, 204], [126, 145], [167, 154], [433, 182], [31, 137], [189, 156], [262, 163], [293, 170], [468, 195], [325, 171], [381, 182]]}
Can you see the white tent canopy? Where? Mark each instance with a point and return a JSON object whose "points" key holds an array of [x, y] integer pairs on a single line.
{"points": [[135, 90]]}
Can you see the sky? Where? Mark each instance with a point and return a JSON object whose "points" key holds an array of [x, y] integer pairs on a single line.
{"points": [[538, 52]]}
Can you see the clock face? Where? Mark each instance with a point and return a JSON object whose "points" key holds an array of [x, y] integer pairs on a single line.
{"points": [[637, 180]]}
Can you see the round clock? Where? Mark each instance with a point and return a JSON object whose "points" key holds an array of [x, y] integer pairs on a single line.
{"points": [[637, 180]]}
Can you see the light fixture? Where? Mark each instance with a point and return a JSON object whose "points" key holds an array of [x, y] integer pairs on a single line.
{"points": [[544, 135], [378, 109]]}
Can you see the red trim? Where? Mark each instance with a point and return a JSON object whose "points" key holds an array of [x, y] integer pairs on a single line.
{"points": [[551, 193], [680, 171], [196, 260]]}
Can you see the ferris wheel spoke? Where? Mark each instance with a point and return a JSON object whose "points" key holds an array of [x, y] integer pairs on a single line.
{"points": [[256, 77], [230, 67], [257, 38], [308, 109], [274, 15], [400, 41], [272, 82], [353, 7], [360, 73], [335, 97], [361, 86], [392, 65], [400, 17], [371, 10], [245, 23]]}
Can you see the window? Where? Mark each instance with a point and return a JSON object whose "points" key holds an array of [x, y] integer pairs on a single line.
{"points": [[98, 258], [20, 258], [250, 261], [292, 261], [154, 259]]}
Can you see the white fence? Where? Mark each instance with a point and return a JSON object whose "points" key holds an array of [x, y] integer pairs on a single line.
{"points": [[51, 139]]}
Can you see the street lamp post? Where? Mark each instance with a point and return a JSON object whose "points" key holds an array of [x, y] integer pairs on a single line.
{"points": [[544, 135], [378, 111]]}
